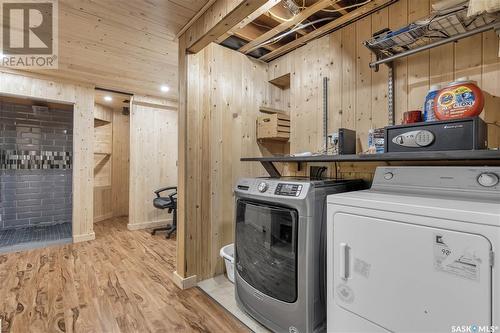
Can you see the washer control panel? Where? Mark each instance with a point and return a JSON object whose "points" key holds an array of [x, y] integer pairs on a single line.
{"points": [[415, 139], [274, 187], [289, 190], [262, 187]]}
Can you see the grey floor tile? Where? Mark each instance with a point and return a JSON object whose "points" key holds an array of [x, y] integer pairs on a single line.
{"points": [[34, 237]]}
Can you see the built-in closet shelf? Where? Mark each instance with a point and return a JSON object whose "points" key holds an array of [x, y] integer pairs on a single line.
{"points": [[102, 187], [282, 82], [100, 122]]}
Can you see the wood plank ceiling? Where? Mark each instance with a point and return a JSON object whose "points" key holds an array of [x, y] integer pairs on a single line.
{"points": [[281, 26], [128, 45]]}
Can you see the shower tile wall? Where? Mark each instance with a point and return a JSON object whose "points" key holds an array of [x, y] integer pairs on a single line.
{"points": [[35, 170]]}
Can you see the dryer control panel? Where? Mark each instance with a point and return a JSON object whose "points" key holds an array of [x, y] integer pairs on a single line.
{"points": [[457, 179], [488, 179]]}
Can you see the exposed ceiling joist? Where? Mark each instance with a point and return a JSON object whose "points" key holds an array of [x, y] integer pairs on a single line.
{"points": [[345, 19], [322, 4], [339, 8], [233, 18], [249, 33], [262, 10]]}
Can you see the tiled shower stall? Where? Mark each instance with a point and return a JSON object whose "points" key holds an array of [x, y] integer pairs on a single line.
{"points": [[36, 175]]}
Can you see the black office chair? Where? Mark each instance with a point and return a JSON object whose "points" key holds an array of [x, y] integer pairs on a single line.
{"points": [[169, 202]]}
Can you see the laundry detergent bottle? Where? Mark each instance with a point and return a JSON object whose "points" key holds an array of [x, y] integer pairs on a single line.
{"points": [[428, 111], [459, 99]]}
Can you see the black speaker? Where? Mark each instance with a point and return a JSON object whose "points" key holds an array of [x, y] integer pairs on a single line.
{"points": [[347, 141]]}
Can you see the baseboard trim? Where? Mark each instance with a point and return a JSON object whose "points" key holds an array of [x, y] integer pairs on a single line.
{"points": [[83, 238], [185, 283], [148, 225]]}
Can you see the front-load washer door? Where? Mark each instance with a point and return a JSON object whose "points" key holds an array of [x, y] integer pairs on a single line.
{"points": [[410, 278], [266, 248]]}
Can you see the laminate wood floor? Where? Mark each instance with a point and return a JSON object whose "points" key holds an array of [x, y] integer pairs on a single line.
{"points": [[121, 282]]}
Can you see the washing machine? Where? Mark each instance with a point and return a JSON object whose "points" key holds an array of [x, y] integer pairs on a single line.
{"points": [[418, 252], [279, 253]]}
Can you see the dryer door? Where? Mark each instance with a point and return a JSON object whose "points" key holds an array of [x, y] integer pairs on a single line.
{"points": [[406, 277]]}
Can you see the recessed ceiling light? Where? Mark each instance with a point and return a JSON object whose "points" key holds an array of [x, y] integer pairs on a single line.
{"points": [[165, 88], [108, 98]]}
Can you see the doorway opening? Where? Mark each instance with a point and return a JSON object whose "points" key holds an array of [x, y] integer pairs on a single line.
{"points": [[111, 154]]}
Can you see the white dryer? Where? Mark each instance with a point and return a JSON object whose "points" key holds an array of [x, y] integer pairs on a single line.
{"points": [[416, 252]]}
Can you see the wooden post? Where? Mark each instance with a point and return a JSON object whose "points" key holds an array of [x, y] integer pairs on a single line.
{"points": [[182, 163]]}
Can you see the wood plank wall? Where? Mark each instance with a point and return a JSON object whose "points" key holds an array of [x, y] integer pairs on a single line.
{"points": [[82, 97], [153, 158], [225, 89]]}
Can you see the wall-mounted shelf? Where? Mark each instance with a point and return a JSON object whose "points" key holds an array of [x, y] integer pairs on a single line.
{"points": [[100, 122], [441, 27], [282, 82], [457, 155]]}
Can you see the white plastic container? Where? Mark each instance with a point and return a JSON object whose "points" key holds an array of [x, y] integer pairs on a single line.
{"points": [[428, 110], [227, 252]]}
